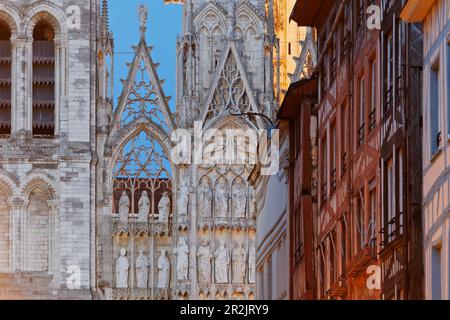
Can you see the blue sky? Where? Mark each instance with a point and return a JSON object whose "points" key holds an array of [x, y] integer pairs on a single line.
{"points": [[163, 26]]}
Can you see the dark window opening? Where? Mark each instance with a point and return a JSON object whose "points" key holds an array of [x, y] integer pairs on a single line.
{"points": [[389, 73], [434, 109], [333, 61], [43, 80], [344, 144], [373, 95], [333, 157], [5, 80], [323, 176], [359, 223], [362, 111]]}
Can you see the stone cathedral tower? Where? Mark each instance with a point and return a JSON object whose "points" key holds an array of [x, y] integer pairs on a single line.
{"points": [[225, 67], [167, 230], [47, 126], [92, 205]]}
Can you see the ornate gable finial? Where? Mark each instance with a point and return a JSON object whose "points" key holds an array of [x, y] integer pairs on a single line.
{"points": [[143, 16]]}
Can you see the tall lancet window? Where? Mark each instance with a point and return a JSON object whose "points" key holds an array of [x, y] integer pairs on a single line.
{"points": [[43, 80], [141, 166], [143, 204], [5, 80], [37, 231]]}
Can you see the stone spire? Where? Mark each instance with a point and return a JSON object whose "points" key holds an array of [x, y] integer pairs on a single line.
{"points": [[189, 17], [105, 18], [270, 20]]}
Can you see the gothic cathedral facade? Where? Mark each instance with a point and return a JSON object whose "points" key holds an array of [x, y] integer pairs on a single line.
{"points": [[92, 204]]}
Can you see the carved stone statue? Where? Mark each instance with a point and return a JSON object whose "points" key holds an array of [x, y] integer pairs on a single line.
{"points": [[124, 207], [221, 200], [122, 267], [142, 265], [144, 207], [183, 199], [239, 200], [204, 257], [143, 16], [231, 20], [163, 270], [239, 260], [182, 253], [164, 208], [221, 263], [205, 199], [251, 263]]}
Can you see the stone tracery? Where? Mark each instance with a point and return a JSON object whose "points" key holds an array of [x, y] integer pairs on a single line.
{"points": [[143, 102], [199, 230], [230, 94], [142, 184], [114, 186]]}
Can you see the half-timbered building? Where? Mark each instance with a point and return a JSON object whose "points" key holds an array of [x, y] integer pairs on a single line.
{"points": [[349, 148], [401, 155], [435, 17]]}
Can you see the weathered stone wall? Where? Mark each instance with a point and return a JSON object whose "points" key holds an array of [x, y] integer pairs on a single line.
{"points": [[48, 181]]}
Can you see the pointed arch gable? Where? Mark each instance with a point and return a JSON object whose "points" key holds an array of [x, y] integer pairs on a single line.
{"points": [[240, 122], [10, 14], [4, 189], [38, 179], [143, 56], [51, 13], [256, 19], [229, 52], [250, 147], [207, 9], [261, 14], [10, 183], [124, 135], [150, 135], [140, 162], [127, 134]]}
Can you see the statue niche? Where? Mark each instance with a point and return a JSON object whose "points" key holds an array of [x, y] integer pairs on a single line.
{"points": [[205, 199], [182, 254], [122, 268], [221, 199], [163, 270], [239, 262], [142, 267], [204, 258], [144, 207], [239, 198], [221, 263], [164, 208], [124, 207]]}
